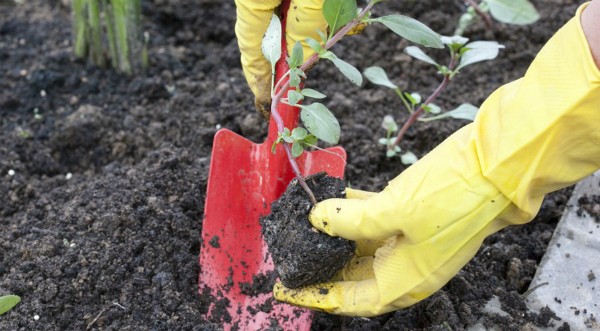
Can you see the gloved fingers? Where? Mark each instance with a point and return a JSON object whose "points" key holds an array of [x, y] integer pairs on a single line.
{"points": [[359, 268], [367, 247], [342, 298], [374, 218], [304, 19], [253, 17], [358, 194]]}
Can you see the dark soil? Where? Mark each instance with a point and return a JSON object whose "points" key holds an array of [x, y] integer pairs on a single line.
{"points": [[103, 176], [303, 256]]}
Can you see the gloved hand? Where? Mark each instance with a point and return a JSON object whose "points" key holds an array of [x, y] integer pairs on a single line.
{"points": [[531, 137], [253, 17]]}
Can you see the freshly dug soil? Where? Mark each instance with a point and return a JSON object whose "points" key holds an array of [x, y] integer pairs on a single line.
{"points": [[303, 256], [103, 176]]}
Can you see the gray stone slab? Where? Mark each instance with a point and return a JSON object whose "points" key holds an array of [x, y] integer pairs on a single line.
{"points": [[568, 277]]}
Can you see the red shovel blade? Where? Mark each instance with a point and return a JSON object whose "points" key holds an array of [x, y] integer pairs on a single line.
{"points": [[244, 179]]}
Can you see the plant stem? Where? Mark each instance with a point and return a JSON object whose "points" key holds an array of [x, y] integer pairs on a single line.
{"points": [[486, 18], [284, 87], [417, 113], [96, 50], [79, 28]]}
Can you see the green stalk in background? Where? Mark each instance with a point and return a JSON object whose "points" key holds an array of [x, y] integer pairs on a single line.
{"points": [[122, 20], [95, 33], [79, 19]]}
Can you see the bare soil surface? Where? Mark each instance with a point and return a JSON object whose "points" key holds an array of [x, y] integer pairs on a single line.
{"points": [[103, 176]]}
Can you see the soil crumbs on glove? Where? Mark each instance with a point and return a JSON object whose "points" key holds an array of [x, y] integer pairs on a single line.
{"points": [[103, 175], [303, 256]]}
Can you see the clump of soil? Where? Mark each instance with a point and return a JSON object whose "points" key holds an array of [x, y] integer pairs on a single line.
{"points": [[591, 205], [303, 256]]}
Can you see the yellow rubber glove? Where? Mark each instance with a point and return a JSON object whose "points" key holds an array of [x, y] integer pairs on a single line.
{"points": [[531, 137], [253, 17]]}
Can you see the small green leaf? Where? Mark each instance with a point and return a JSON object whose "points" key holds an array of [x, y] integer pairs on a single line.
{"points": [[411, 29], [294, 97], [295, 79], [315, 45], [311, 140], [377, 75], [322, 35], [271, 43], [383, 141], [418, 54], [433, 108], [338, 13], [519, 12], [7, 302], [347, 70], [297, 57], [320, 122], [414, 98], [274, 146], [297, 149], [408, 158], [466, 111], [299, 133], [478, 51], [390, 153], [307, 92], [389, 124]]}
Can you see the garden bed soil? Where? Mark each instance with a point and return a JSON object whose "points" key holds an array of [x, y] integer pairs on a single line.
{"points": [[103, 176]]}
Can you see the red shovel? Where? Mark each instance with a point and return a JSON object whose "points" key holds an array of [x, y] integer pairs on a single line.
{"points": [[244, 179]]}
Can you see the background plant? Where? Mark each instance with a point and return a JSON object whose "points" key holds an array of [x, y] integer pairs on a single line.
{"points": [[109, 31], [519, 12], [462, 54]]}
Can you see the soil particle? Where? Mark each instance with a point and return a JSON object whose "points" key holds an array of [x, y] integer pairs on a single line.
{"points": [[261, 283], [590, 205], [301, 255]]}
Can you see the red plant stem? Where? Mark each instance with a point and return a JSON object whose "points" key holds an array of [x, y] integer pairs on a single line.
{"points": [[486, 18], [417, 113], [285, 87]]}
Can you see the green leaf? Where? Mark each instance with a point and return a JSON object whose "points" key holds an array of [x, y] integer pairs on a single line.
{"points": [[454, 42], [297, 149], [466, 111], [7, 302], [347, 70], [271, 43], [433, 108], [295, 79], [377, 75], [390, 153], [320, 122], [408, 158], [299, 133], [478, 51], [519, 12], [389, 124], [294, 97], [322, 35], [418, 54], [383, 141], [307, 92], [411, 29], [414, 98], [297, 57], [315, 45], [311, 140], [338, 13]]}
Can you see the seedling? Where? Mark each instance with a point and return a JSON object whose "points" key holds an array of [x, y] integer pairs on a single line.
{"points": [[342, 16], [117, 21], [7, 302], [462, 54], [518, 12]]}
